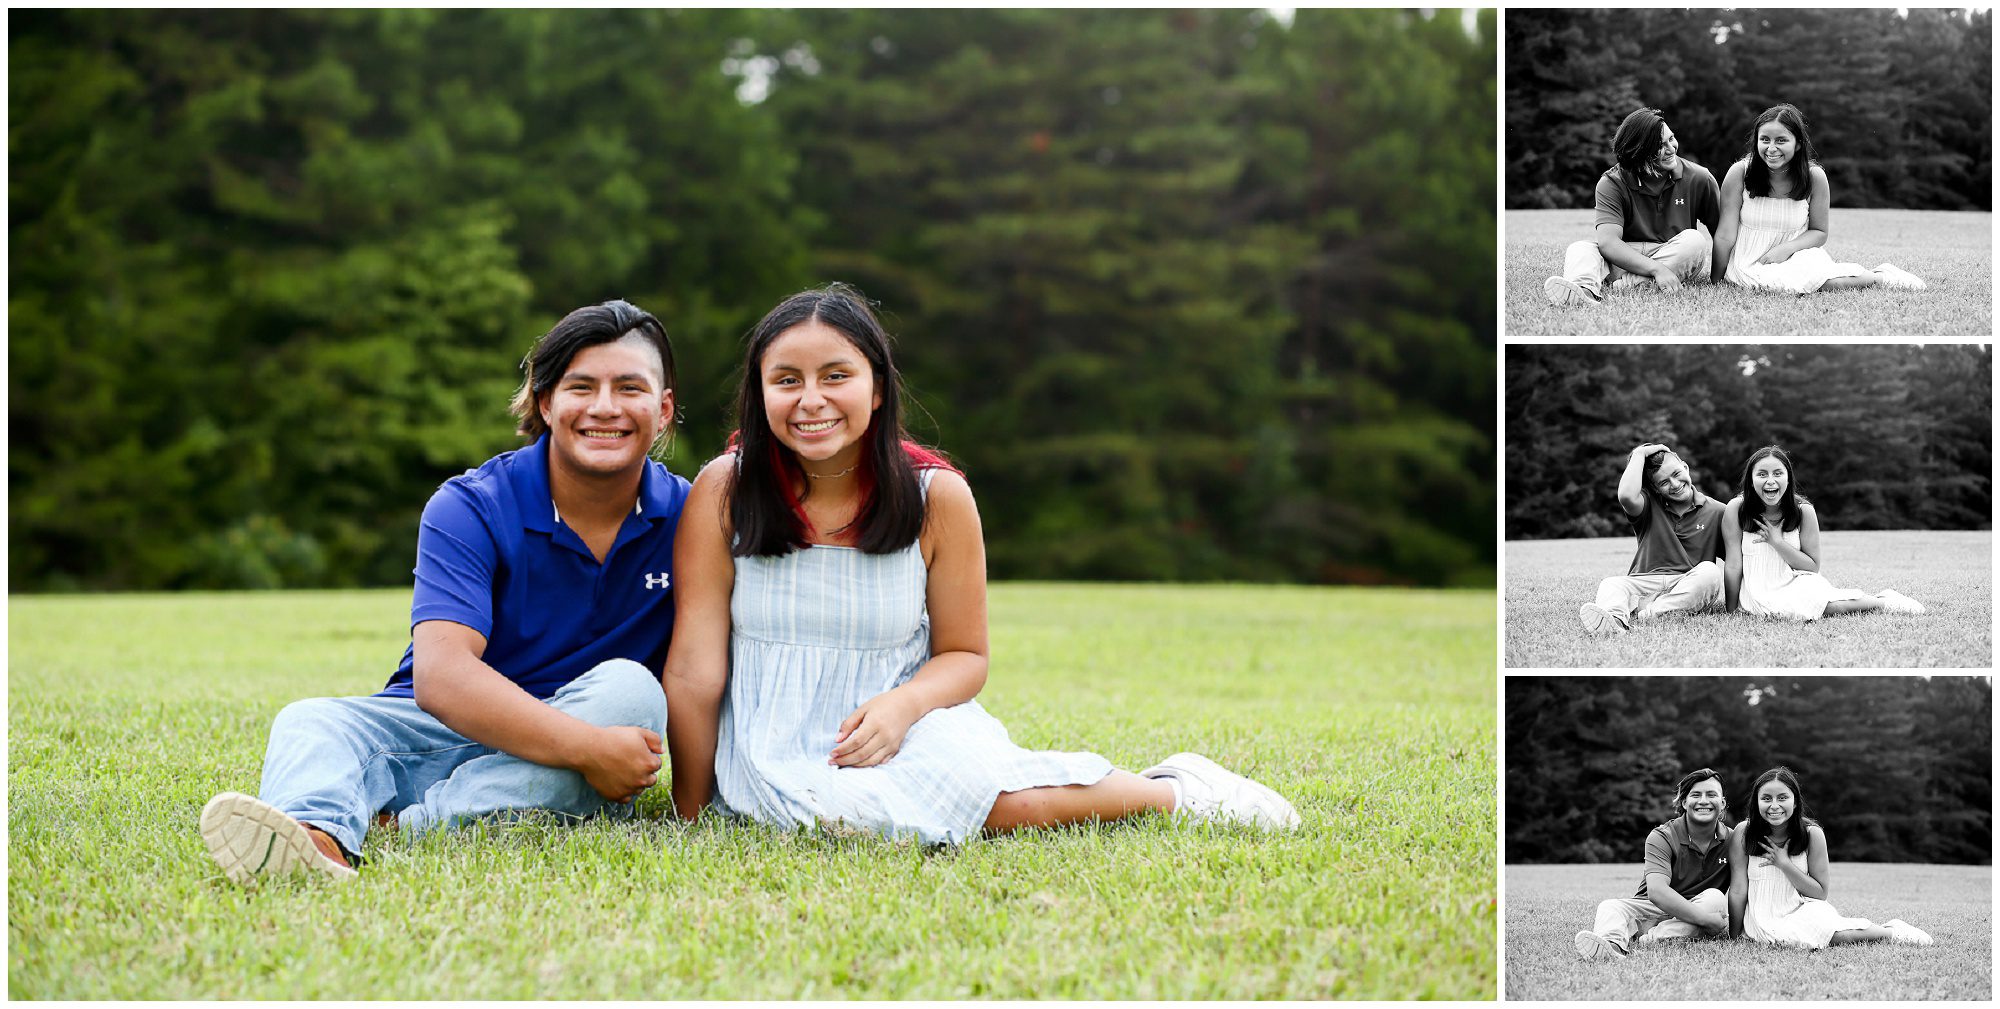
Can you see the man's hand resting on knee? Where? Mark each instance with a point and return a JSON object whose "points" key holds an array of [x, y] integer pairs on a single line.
{"points": [[621, 761]]}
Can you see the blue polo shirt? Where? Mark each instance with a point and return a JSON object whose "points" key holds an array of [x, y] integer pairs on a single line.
{"points": [[492, 554]]}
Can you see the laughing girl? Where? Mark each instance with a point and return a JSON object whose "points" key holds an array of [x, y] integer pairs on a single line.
{"points": [[1778, 877]]}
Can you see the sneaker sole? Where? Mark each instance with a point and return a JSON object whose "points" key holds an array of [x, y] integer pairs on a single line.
{"points": [[1591, 946], [1564, 293], [1597, 620], [249, 838], [1286, 819]]}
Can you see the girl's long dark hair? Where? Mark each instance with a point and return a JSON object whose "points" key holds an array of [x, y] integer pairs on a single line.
{"points": [[1795, 828], [1757, 175], [1753, 504], [768, 516]]}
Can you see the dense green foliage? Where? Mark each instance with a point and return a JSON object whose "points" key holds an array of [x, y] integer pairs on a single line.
{"points": [[1371, 709], [1895, 768], [1880, 436], [1900, 104], [1191, 295]]}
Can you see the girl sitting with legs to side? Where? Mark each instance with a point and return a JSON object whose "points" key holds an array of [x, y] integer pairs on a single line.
{"points": [[830, 583]]}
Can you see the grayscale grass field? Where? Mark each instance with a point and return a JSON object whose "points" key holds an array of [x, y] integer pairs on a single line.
{"points": [[1949, 572], [1952, 252], [1373, 710], [1548, 904]]}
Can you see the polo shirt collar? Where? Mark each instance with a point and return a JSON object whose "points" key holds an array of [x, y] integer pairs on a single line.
{"points": [[1693, 506], [1641, 180], [1677, 831], [531, 482]]}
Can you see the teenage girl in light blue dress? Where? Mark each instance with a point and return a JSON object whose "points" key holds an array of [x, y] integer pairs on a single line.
{"points": [[830, 629]]}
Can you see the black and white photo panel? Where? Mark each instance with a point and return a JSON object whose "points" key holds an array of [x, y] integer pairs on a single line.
{"points": [[1748, 506], [1748, 837]]}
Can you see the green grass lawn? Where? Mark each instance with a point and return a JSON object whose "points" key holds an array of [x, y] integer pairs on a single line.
{"points": [[1548, 904], [1373, 710], [1951, 573], [1951, 251]]}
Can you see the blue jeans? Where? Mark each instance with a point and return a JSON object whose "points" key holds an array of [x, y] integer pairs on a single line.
{"points": [[335, 762]]}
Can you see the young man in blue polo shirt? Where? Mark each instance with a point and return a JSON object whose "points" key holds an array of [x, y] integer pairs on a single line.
{"points": [[1677, 567], [1656, 219], [541, 617], [1684, 888]]}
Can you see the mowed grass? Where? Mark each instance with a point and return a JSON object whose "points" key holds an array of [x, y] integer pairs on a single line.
{"points": [[1949, 572], [1548, 904], [1951, 251], [1373, 710]]}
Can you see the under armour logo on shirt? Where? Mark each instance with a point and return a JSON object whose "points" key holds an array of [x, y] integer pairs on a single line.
{"points": [[658, 581], [1680, 202], [1698, 526]]}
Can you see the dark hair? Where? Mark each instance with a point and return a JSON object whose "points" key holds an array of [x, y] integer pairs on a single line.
{"points": [[1788, 506], [768, 517], [584, 328], [1757, 175], [1652, 469], [1637, 139], [1687, 783], [1795, 828]]}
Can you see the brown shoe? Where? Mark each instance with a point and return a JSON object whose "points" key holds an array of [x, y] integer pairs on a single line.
{"points": [[249, 837]]}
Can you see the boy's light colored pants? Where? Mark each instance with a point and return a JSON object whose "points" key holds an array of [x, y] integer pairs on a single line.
{"points": [[1630, 597], [1689, 254], [1623, 919]]}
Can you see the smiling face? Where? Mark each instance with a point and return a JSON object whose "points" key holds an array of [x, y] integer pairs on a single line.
{"points": [[819, 396], [1768, 480], [1671, 481], [1668, 156], [1776, 145], [1703, 804], [1776, 804], [605, 412]]}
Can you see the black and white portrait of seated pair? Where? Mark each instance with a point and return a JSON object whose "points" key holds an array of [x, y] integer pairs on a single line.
{"points": [[1748, 172], [1748, 837], [1716, 506]]}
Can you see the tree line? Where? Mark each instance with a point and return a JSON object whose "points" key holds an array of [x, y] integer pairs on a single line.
{"points": [[1894, 768], [1900, 105], [1880, 436], [1166, 284]]}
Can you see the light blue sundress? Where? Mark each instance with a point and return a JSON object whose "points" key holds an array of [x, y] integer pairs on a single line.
{"points": [[815, 633]]}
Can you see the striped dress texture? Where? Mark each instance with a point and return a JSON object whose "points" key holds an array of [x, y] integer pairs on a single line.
{"points": [[1768, 221], [815, 633]]}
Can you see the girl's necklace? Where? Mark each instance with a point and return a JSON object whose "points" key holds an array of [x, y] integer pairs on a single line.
{"points": [[833, 476]]}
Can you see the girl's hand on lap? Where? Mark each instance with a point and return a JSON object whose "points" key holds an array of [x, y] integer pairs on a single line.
{"points": [[1771, 258], [873, 733]]}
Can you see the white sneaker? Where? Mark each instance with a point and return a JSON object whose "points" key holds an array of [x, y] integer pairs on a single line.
{"points": [[249, 838], [1901, 280], [1210, 793], [1591, 946], [1598, 620], [1563, 293], [1896, 602], [1904, 933]]}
